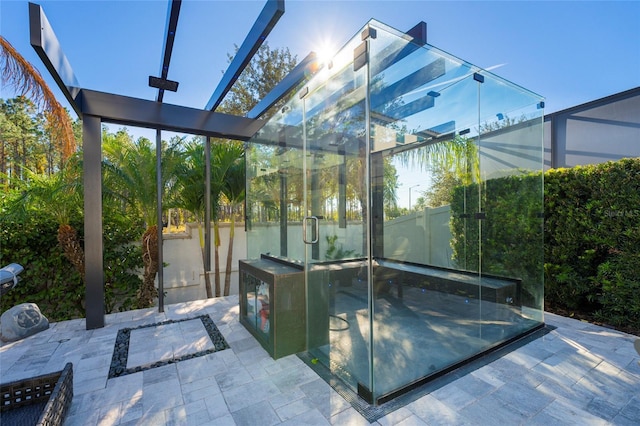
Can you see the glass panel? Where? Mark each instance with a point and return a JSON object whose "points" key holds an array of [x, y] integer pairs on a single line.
{"points": [[511, 157], [336, 194], [409, 181], [275, 187], [434, 304]]}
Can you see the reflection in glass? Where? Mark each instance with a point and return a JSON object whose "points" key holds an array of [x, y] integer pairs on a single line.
{"points": [[395, 291]]}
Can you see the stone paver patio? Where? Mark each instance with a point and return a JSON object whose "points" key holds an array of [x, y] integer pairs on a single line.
{"points": [[578, 373]]}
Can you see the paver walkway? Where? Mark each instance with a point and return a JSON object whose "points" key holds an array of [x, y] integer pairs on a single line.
{"points": [[578, 374]]}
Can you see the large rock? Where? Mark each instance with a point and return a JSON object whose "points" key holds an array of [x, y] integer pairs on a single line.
{"points": [[22, 321]]}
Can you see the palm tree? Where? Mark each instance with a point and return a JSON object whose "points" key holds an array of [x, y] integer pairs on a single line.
{"points": [[17, 73], [59, 195], [190, 194], [130, 176], [224, 157], [234, 192]]}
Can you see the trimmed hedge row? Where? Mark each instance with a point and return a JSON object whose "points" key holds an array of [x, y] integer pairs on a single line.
{"points": [[592, 240], [591, 237], [511, 231]]}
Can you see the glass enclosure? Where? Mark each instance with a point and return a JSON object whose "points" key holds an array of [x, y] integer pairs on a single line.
{"points": [[397, 292]]}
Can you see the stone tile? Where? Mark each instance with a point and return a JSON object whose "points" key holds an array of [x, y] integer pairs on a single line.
{"points": [[310, 418], [207, 385], [434, 412], [256, 414], [486, 374], [241, 396], [162, 396], [412, 421], [328, 403], [226, 420], [632, 409], [131, 410], [160, 374], [590, 375], [216, 406], [198, 418], [521, 399], [233, 376], [292, 378], [82, 419], [349, 417], [125, 388], [602, 408], [474, 386], [280, 399], [453, 396], [90, 385], [109, 415], [563, 413], [196, 369], [294, 409], [395, 417], [491, 411]]}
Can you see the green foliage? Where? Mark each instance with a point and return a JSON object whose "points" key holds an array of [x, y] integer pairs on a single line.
{"points": [[334, 252], [592, 237], [267, 68], [49, 279], [620, 297], [511, 234], [440, 191]]}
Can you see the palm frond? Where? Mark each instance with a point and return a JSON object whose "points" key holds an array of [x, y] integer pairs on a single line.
{"points": [[17, 73]]}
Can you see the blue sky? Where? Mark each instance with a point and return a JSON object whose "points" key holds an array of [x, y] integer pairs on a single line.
{"points": [[569, 52]]}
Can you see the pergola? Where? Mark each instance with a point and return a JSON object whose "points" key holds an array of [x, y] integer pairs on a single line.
{"points": [[96, 108]]}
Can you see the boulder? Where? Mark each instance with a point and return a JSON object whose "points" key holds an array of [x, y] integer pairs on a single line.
{"points": [[22, 321]]}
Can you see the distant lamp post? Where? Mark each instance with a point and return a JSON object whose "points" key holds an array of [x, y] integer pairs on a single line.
{"points": [[410, 194]]}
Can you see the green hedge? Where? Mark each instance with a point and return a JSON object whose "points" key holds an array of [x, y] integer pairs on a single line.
{"points": [[592, 240], [511, 232], [50, 281], [591, 237]]}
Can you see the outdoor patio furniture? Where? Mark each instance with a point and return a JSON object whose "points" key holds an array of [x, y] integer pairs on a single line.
{"points": [[41, 400]]}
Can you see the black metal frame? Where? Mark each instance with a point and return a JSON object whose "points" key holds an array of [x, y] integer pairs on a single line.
{"points": [[268, 18], [97, 107]]}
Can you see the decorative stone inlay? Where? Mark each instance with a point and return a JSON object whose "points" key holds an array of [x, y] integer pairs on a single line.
{"points": [[121, 348]]}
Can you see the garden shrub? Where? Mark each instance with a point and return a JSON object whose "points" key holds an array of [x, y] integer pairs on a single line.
{"points": [[591, 237], [511, 231], [592, 240], [49, 279]]}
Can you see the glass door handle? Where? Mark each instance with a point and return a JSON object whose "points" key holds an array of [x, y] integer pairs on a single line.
{"points": [[316, 229]]}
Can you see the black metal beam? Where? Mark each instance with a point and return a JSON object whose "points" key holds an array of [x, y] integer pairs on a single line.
{"points": [[93, 247], [268, 18], [150, 114], [300, 73], [172, 23], [46, 45]]}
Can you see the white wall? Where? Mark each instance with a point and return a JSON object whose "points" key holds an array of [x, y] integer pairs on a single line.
{"points": [[430, 246], [183, 271]]}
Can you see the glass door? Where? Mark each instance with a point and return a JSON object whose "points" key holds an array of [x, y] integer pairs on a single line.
{"points": [[335, 225]]}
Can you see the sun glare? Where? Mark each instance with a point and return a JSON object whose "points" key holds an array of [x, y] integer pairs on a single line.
{"points": [[325, 51]]}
